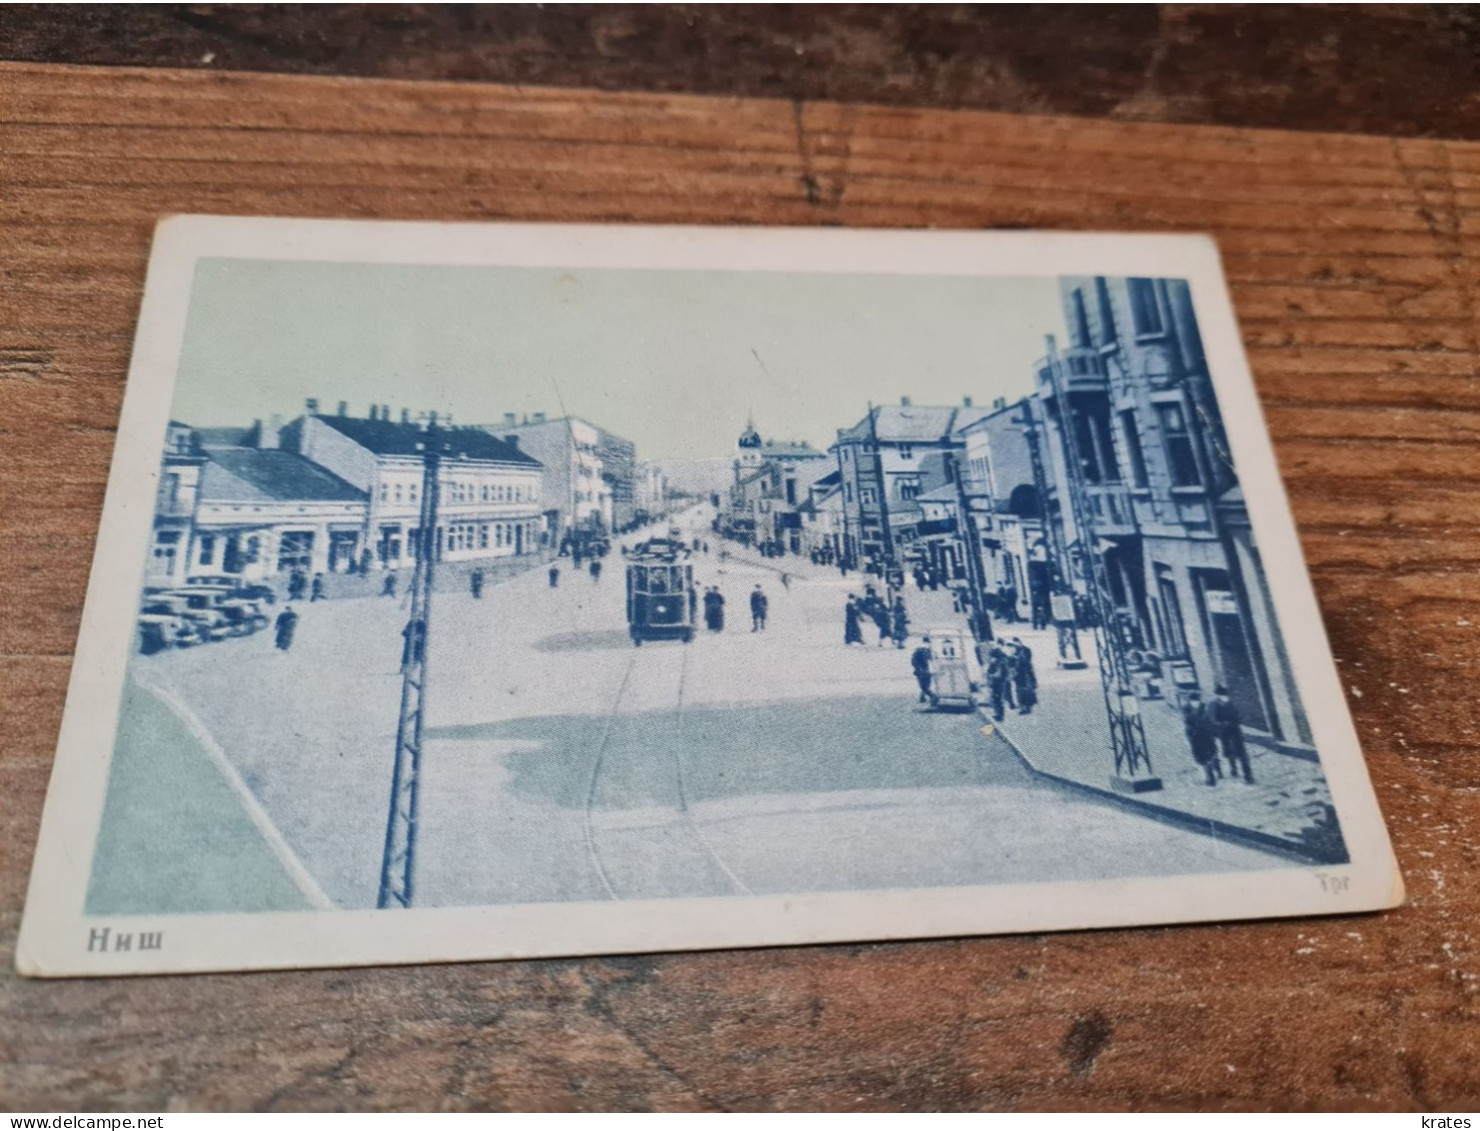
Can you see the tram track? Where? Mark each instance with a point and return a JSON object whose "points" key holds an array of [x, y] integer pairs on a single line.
{"points": [[702, 848]]}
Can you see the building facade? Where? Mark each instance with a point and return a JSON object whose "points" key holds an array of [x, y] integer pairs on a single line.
{"points": [[1138, 434], [490, 490], [575, 495], [884, 465], [771, 482]]}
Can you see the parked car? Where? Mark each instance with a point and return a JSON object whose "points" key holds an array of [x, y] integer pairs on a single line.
{"points": [[250, 590], [198, 608], [240, 615], [161, 627]]}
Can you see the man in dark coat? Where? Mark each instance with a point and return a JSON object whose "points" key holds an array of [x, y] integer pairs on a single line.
{"points": [[388, 586], [554, 576], [920, 665], [475, 583], [714, 609], [899, 623], [318, 587], [999, 680], [297, 584], [1230, 731], [287, 624], [881, 620], [1024, 678], [852, 629], [1201, 736], [413, 643], [758, 606], [595, 569]]}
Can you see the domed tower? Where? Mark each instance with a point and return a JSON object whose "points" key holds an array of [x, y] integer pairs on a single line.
{"points": [[749, 448]]}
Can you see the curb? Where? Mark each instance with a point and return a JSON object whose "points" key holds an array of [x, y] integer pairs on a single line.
{"points": [[1207, 826]]}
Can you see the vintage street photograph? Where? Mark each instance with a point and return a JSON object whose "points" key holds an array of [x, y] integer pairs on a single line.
{"points": [[507, 584]]}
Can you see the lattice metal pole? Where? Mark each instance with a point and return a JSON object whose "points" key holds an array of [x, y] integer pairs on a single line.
{"points": [[1133, 772], [398, 865]]}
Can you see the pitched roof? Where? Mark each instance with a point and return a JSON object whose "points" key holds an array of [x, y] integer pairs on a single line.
{"points": [[802, 450], [945, 493], [222, 437], [908, 424], [394, 438], [252, 473]]}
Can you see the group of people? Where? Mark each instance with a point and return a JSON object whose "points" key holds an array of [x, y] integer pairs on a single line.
{"points": [[714, 609], [891, 619], [300, 586], [1010, 678], [1212, 725]]}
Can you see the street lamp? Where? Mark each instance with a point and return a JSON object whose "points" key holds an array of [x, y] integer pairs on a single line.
{"points": [[1133, 773]]}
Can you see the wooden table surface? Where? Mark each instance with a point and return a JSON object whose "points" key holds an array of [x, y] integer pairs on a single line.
{"points": [[1353, 262]]}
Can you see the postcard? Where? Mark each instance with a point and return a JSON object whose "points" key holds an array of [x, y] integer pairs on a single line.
{"points": [[485, 591]]}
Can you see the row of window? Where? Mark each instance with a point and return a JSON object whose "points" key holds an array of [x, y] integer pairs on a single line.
{"points": [[1097, 450], [1146, 319], [461, 491]]}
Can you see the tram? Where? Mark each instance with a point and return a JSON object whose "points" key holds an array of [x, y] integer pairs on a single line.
{"points": [[661, 599]]}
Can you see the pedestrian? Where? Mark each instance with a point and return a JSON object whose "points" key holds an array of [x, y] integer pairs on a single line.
{"points": [[475, 583], [1024, 678], [365, 560], [1230, 732], [554, 576], [1201, 736], [318, 588], [595, 569], [852, 615], [920, 664], [287, 624], [297, 584], [388, 586], [1009, 603], [758, 606], [999, 681], [413, 643], [899, 622], [881, 620], [714, 609]]}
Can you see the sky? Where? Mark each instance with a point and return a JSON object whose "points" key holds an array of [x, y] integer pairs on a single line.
{"points": [[675, 361]]}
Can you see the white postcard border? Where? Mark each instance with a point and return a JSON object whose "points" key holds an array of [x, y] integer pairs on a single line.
{"points": [[55, 932]]}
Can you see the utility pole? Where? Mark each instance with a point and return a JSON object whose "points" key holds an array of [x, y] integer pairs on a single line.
{"points": [[970, 541], [398, 864], [1133, 773], [888, 535], [1053, 541]]}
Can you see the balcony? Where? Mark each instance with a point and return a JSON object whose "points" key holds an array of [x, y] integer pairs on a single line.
{"points": [[1079, 371], [1110, 508]]}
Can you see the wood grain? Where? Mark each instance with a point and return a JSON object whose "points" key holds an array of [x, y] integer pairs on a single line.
{"points": [[1400, 69], [1353, 262]]}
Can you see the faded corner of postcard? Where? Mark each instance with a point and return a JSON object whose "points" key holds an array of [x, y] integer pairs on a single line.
{"points": [[512, 588]]}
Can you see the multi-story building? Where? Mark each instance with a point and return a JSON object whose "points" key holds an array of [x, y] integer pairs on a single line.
{"points": [[228, 507], [881, 464], [575, 498], [650, 494], [822, 517], [1159, 496], [771, 482], [1008, 484], [619, 473], [489, 490]]}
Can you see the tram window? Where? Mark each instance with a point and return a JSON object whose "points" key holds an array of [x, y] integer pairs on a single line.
{"points": [[659, 577], [639, 577]]}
